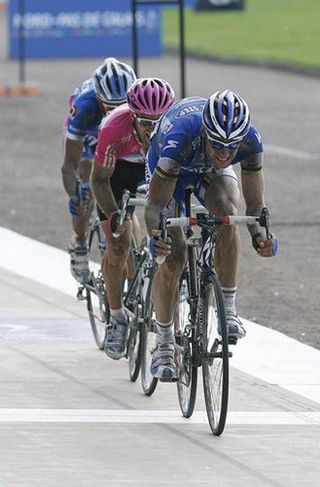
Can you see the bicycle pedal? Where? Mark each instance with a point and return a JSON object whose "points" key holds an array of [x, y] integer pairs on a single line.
{"points": [[232, 340], [174, 379], [80, 295]]}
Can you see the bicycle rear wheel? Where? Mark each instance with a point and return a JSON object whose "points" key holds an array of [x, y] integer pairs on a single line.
{"points": [[96, 296], [188, 373], [134, 350], [215, 365]]}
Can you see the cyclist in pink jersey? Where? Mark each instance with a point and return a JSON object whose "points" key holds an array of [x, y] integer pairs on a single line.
{"points": [[119, 160]]}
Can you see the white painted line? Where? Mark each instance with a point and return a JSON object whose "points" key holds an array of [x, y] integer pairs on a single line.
{"points": [[154, 417], [285, 151], [265, 353], [278, 359]]}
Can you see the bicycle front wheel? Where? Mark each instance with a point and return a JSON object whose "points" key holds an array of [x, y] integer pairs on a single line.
{"points": [[96, 295], [148, 338], [215, 366], [188, 371]]}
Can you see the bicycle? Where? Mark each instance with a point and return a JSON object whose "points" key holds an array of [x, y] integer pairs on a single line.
{"points": [[94, 291], [138, 307], [202, 338]]}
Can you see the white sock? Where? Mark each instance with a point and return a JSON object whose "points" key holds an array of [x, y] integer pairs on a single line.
{"points": [[229, 294], [165, 331], [117, 314]]}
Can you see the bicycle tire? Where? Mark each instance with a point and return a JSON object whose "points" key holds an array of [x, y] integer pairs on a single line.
{"points": [[134, 341], [188, 371], [148, 340], [215, 366], [134, 351], [96, 296]]}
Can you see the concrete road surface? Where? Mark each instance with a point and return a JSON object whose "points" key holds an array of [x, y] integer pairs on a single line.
{"points": [[70, 417]]}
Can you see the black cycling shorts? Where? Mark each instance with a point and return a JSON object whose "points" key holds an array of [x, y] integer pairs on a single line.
{"points": [[127, 175]]}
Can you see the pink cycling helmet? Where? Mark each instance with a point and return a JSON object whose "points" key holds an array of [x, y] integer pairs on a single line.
{"points": [[150, 96]]}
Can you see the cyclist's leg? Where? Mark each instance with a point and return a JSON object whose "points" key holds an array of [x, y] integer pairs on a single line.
{"points": [[114, 264], [165, 293], [222, 197], [78, 246]]}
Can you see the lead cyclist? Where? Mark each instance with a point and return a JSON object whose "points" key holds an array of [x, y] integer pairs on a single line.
{"points": [[119, 164], [196, 145], [98, 95]]}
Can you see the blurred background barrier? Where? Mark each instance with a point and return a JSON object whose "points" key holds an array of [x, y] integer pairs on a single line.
{"points": [[56, 29]]}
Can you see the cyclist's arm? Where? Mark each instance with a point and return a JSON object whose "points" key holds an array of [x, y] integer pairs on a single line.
{"points": [[101, 187], [161, 190], [253, 187], [72, 155]]}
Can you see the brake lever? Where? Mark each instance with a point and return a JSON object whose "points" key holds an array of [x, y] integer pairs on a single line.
{"points": [[163, 234], [123, 211], [264, 221]]}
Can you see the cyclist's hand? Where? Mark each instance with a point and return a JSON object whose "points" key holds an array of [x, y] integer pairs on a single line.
{"points": [[74, 207], [159, 247], [79, 202], [114, 224], [83, 193], [265, 247]]}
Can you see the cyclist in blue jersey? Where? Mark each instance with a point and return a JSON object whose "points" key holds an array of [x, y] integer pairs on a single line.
{"points": [[196, 145], [90, 102]]}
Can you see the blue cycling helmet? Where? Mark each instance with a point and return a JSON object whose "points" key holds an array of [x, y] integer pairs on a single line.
{"points": [[226, 117], [111, 81]]}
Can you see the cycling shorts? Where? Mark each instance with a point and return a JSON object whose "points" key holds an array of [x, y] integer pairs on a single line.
{"points": [[127, 175]]}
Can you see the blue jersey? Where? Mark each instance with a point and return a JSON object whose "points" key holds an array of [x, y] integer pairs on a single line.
{"points": [[85, 114], [179, 137]]}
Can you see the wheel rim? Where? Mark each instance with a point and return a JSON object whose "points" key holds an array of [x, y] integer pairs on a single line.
{"points": [[149, 382], [215, 365], [134, 352], [99, 316], [187, 373]]}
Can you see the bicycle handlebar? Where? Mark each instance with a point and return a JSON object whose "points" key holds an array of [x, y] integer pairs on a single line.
{"points": [[211, 221]]}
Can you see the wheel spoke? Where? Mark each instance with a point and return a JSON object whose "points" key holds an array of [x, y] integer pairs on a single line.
{"points": [[216, 357]]}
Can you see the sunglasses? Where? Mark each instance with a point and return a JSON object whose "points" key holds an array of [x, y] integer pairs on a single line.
{"points": [[108, 106], [221, 145], [146, 122]]}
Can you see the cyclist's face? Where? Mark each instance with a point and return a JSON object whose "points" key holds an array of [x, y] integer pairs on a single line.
{"points": [[221, 156], [144, 126]]}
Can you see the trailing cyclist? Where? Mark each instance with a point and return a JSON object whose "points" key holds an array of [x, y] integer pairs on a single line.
{"points": [[98, 95], [196, 145], [119, 164]]}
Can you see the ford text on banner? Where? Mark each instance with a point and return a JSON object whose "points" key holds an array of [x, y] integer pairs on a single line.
{"points": [[78, 28]]}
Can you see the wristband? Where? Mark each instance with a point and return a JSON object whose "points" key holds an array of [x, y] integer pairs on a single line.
{"points": [[113, 221]]}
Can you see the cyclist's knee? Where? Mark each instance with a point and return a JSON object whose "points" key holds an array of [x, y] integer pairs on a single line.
{"points": [[118, 249], [175, 262]]}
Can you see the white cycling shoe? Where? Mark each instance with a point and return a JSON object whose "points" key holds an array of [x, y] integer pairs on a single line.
{"points": [[163, 364], [79, 262], [235, 326]]}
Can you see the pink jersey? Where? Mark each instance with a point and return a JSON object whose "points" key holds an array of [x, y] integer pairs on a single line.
{"points": [[117, 139]]}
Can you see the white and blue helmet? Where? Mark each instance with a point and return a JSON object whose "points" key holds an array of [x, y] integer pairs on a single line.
{"points": [[111, 81], [226, 117]]}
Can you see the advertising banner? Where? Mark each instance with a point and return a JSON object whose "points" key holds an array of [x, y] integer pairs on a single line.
{"points": [[78, 28]]}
